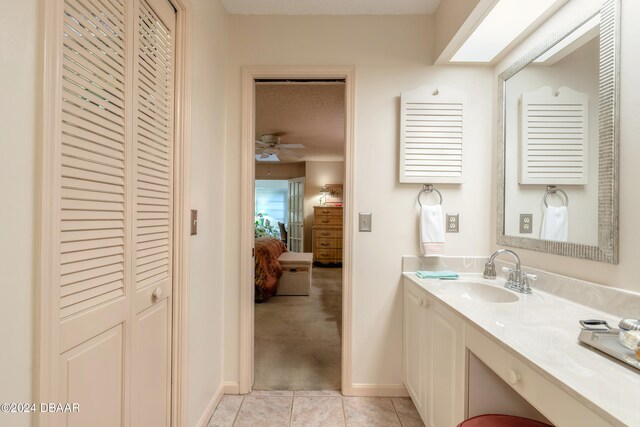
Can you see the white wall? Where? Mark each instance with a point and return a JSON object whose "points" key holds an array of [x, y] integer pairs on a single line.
{"points": [[624, 275], [317, 175], [19, 56], [390, 55], [206, 299]]}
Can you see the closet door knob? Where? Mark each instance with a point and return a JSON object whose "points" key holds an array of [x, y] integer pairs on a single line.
{"points": [[157, 293], [514, 377]]}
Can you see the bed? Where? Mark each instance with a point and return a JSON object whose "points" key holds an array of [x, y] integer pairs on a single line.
{"points": [[267, 266]]}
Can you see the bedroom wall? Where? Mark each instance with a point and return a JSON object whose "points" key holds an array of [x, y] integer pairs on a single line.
{"points": [[317, 175], [279, 171], [390, 55], [19, 47], [206, 293], [624, 275]]}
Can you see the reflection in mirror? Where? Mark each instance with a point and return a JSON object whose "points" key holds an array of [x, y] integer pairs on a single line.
{"points": [[551, 139], [558, 139]]}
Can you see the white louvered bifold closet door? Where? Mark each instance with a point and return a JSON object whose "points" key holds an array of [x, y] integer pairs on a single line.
{"points": [[153, 201], [116, 204]]}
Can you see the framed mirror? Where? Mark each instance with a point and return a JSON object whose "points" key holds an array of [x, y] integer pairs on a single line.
{"points": [[558, 142]]}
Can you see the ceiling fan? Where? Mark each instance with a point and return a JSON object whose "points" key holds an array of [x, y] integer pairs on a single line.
{"points": [[268, 147]]}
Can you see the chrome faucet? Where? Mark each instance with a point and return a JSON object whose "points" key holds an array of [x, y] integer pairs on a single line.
{"points": [[517, 279]]}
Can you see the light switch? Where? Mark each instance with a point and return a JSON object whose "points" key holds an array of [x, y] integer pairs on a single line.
{"points": [[364, 221], [194, 222]]}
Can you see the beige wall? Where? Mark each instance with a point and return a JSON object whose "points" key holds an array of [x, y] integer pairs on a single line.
{"points": [[19, 43], [317, 175], [390, 55], [206, 293], [624, 275], [279, 170]]}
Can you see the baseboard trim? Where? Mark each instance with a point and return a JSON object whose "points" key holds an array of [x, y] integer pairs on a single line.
{"points": [[231, 387], [381, 390], [211, 407]]}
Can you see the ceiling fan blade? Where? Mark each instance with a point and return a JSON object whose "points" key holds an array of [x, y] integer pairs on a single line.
{"points": [[268, 158], [292, 146]]}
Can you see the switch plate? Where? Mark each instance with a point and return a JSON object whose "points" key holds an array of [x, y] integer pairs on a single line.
{"points": [[364, 221], [453, 223], [526, 223], [194, 222]]}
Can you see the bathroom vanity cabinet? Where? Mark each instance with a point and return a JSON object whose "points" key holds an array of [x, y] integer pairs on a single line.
{"points": [[434, 359], [438, 340]]}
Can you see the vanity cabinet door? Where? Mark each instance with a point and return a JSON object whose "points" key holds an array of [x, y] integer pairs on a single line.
{"points": [[446, 370], [415, 345]]}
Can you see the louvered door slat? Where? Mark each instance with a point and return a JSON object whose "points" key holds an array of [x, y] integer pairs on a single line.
{"points": [[92, 155], [554, 137], [153, 150], [431, 136]]}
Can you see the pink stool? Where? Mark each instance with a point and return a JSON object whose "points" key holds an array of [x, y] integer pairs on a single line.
{"points": [[493, 420]]}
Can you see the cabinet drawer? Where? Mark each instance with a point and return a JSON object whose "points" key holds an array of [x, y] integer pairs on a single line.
{"points": [[335, 233], [328, 220], [554, 403], [328, 211], [322, 243], [328, 255]]}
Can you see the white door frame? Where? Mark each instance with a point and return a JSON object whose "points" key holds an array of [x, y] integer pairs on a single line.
{"points": [[249, 75], [48, 259]]}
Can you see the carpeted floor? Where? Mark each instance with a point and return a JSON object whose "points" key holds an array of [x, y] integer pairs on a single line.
{"points": [[298, 338]]}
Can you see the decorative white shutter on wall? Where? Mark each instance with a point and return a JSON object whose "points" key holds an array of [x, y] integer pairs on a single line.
{"points": [[432, 136], [554, 137], [93, 157]]}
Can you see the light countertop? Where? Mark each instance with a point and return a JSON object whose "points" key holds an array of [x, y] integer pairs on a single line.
{"points": [[542, 330]]}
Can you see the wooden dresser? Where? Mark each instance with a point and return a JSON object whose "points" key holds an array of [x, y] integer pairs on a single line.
{"points": [[327, 234]]}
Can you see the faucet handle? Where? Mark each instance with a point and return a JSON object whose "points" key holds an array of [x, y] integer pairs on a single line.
{"points": [[530, 276], [507, 269]]}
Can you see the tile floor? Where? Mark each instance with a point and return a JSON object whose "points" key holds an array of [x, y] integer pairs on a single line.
{"points": [[313, 409]]}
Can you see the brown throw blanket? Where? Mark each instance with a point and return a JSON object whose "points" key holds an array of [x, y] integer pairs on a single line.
{"points": [[267, 266]]}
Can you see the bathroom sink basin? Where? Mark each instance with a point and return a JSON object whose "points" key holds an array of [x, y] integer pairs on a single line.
{"points": [[476, 291]]}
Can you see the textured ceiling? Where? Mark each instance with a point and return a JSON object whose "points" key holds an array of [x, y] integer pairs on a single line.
{"points": [[308, 114], [330, 7]]}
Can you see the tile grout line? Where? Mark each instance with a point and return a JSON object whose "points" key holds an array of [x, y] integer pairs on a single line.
{"points": [[293, 397], [396, 411], [235, 419]]}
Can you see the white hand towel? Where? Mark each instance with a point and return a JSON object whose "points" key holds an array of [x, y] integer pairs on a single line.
{"points": [[431, 230], [555, 224]]}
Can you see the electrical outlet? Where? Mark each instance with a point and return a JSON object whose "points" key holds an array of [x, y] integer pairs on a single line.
{"points": [[453, 223], [526, 223]]}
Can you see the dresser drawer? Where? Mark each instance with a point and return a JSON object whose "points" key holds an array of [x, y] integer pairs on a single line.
{"points": [[328, 211], [321, 243], [552, 401], [328, 255], [323, 233], [328, 220]]}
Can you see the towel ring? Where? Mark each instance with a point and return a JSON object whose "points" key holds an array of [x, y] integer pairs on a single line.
{"points": [[429, 189], [552, 189]]}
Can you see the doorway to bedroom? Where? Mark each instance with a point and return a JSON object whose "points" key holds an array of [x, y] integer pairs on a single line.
{"points": [[299, 172]]}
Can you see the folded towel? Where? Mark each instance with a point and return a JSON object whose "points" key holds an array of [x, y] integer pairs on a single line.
{"points": [[555, 224], [442, 275], [431, 230]]}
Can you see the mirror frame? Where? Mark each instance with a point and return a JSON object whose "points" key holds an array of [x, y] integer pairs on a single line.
{"points": [[607, 248]]}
